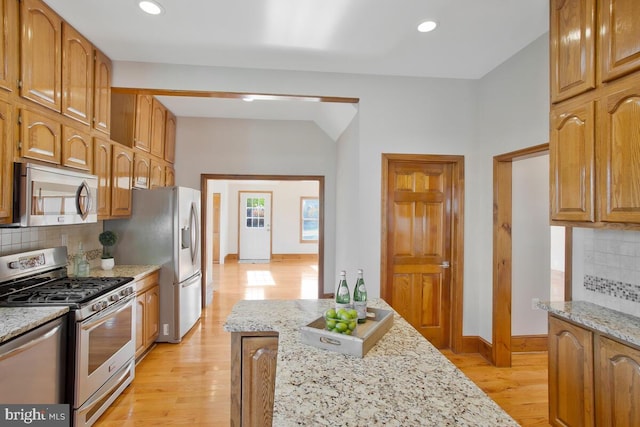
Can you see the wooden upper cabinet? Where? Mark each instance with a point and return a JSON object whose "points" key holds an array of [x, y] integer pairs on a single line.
{"points": [[8, 44], [77, 75], [618, 384], [169, 176], [571, 159], [123, 116], [102, 93], [77, 149], [41, 54], [141, 170], [121, 178], [6, 162], [572, 30], [170, 138], [143, 115], [571, 393], [618, 154], [40, 137], [619, 45], [156, 174], [102, 169], [158, 115]]}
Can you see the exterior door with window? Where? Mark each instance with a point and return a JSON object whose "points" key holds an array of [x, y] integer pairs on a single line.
{"points": [[255, 226]]}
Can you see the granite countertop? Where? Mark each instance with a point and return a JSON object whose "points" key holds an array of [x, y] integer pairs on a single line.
{"points": [[135, 271], [18, 320], [402, 381], [624, 327]]}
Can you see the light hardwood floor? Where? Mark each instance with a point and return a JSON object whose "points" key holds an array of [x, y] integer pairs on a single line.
{"points": [[189, 383]]}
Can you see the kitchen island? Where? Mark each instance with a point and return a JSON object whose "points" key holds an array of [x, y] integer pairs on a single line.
{"points": [[402, 381]]}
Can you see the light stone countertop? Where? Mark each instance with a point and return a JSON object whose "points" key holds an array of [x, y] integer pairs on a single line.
{"points": [[402, 381], [624, 327], [16, 321], [135, 271]]}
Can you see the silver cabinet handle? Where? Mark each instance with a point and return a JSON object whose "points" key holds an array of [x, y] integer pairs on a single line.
{"points": [[445, 264]]}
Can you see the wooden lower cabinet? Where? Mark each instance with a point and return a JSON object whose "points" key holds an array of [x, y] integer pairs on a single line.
{"points": [[253, 377], [593, 380], [618, 384], [571, 394], [147, 313]]}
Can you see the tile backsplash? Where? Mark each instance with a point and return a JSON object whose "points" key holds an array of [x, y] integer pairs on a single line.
{"points": [[13, 240], [607, 268]]}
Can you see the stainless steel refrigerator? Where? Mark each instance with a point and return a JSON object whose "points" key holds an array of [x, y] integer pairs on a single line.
{"points": [[164, 229]]}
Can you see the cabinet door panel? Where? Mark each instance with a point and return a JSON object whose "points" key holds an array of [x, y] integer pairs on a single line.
{"points": [[156, 175], [102, 169], [40, 137], [572, 47], [77, 75], [121, 177], [571, 394], [170, 138], [141, 311], [152, 321], [41, 54], [157, 129], [620, 38], [169, 176], [618, 384], [571, 157], [141, 170], [77, 151], [619, 156], [259, 356], [6, 162], [102, 93], [8, 44], [144, 108]]}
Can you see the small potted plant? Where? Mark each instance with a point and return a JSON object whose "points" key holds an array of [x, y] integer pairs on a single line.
{"points": [[107, 239]]}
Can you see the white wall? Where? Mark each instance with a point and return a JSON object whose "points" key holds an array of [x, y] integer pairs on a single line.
{"points": [[531, 244], [285, 218], [512, 113], [506, 110]]}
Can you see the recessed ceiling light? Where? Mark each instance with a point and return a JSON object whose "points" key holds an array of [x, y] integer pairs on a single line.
{"points": [[151, 7], [427, 26]]}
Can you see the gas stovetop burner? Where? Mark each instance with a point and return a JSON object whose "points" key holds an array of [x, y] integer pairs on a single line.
{"points": [[63, 291]]}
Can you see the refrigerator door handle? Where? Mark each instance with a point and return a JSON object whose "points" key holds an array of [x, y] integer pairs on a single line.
{"points": [[195, 232]]}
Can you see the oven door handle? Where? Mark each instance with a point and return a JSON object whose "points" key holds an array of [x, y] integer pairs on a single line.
{"points": [[110, 311]]}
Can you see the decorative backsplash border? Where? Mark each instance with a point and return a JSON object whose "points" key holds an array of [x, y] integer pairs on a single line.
{"points": [[622, 290]]}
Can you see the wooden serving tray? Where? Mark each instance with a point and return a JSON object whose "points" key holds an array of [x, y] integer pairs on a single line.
{"points": [[378, 322]]}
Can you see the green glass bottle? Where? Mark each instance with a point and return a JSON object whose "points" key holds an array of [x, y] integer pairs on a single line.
{"points": [[360, 297], [343, 297]]}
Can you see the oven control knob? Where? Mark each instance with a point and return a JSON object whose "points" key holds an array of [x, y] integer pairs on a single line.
{"points": [[97, 306], [114, 297], [129, 290]]}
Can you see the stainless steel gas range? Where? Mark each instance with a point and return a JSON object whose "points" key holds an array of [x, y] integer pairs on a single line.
{"points": [[101, 324]]}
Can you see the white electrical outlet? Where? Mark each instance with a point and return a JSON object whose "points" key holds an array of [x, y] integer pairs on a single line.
{"points": [[165, 329], [64, 239], [534, 303]]}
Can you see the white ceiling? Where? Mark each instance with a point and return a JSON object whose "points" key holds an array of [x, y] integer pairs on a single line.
{"points": [[347, 36]]}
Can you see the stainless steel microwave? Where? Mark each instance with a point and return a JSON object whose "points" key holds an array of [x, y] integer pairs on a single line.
{"points": [[44, 195]]}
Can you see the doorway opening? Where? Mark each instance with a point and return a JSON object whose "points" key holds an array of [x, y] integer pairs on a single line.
{"points": [[212, 234], [503, 342]]}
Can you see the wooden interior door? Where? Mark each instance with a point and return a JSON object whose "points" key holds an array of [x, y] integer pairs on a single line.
{"points": [[419, 221], [216, 228]]}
